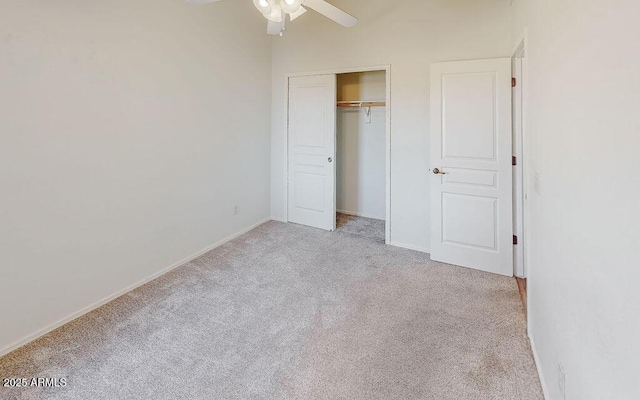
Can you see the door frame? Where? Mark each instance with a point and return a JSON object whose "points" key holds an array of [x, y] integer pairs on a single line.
{"points": [[387, 69], [521, 257]]}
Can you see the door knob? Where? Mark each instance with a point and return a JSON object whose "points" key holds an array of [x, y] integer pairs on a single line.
{"points": [[330, 159], [438, 172]]}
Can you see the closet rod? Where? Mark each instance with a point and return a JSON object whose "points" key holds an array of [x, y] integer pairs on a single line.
{"points": [[362, 104]]}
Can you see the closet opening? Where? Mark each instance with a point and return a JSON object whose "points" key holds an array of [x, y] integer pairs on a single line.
{"points": [[338, 144], [361, 153]]}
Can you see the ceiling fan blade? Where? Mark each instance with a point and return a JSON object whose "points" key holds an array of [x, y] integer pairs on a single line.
{"points": [[332, 12], [275, 28], [198, 2], [297, 14]]}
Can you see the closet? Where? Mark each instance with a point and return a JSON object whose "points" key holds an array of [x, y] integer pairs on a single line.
{"points": [[338, 135], [361, 144]]}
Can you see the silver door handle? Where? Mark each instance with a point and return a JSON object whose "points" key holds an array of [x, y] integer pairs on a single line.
{"points": [[438, 172]]}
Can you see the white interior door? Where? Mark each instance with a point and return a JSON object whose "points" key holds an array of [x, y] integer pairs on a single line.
{"points": [[471, 177], [312, 148]]}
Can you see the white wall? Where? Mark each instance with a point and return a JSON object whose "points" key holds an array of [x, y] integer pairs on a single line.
{"points": [[408, 35], [361, 151], [128, 131], [583, 140]]}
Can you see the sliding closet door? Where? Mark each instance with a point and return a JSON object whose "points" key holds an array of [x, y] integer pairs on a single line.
{"points": [[312, 137]]}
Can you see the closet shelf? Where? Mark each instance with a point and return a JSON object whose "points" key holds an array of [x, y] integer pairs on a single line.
{"points": [[362, 104]]}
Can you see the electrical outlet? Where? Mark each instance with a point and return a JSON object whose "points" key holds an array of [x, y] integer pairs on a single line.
{"points": [[561, 381], [235, 210], [536, 182]]}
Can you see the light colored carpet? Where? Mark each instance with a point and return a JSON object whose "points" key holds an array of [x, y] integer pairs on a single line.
{"points": [[291, 312], [372, 229]]}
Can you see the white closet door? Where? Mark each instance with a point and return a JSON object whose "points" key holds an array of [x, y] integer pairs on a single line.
{"points": [[471, 177], [312, 148]]}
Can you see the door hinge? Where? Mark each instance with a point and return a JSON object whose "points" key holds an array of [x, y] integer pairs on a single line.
{"points": [[515, 239], [514, 160], [513, 82]]}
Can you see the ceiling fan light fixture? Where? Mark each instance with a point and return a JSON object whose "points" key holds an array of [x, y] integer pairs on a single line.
{"points": [[264, 6], [291, 6], [276, 14], [270, 9]]}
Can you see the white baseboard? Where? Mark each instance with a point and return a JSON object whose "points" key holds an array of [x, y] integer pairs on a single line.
{"points": [[409, 247], [7, 349], [545, 391], [355, 214]]}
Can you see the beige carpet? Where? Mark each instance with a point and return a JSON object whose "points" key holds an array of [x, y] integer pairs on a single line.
{"points": [[290, 312], [368, 228]]}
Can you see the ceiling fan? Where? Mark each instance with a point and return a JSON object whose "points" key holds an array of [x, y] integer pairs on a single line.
{"points": [[276, 11]]}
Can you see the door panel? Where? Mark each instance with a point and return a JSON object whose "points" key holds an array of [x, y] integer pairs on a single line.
{"points": [[471, 189], [469, 107], [312, 124]]}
